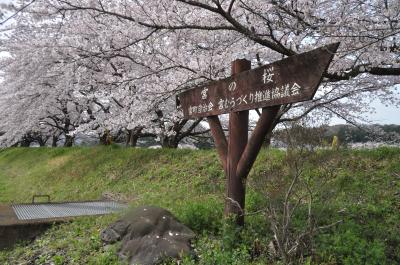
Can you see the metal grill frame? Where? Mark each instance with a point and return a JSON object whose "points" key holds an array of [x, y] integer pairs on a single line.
{"points": [[40, 211]]}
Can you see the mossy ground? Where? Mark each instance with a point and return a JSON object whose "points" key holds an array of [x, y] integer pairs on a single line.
{"points": [[363, 192]]}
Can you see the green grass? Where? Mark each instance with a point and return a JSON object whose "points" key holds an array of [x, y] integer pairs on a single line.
{"points": [[87, 173], [363, 191]]}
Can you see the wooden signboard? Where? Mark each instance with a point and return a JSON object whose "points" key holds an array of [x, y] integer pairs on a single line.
{"points": [[290, 80]]}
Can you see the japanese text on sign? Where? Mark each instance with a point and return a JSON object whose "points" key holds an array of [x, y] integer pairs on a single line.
{"points": [[284, 91]]}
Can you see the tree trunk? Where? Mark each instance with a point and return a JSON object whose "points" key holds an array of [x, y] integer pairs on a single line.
{"points": [[105, 138], [128, 138], [133, 140], [54, 141], [268, 138], [133, 137], [41, 141], [169, 142], [69, 141], [25, 143]]}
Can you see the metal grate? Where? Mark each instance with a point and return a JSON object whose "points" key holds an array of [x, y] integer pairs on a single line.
{"points": [[70, 209]]}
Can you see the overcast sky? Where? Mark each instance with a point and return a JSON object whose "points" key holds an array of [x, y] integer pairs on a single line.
{"points": [[386, 115], [383, 115]]}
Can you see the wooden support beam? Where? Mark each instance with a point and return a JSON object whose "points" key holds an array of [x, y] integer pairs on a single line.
{"points": [[238, 136], [219, 138], [253, 146]]}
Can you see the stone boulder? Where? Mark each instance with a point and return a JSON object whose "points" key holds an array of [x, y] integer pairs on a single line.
{"points": [[149, 235]]}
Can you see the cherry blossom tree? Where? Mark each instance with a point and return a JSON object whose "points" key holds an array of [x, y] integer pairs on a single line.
{"points": [[38, 90], [126, 60], [128, 92], [264, 31]]}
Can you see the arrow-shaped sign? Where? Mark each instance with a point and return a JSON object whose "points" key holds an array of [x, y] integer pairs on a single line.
{"points": [[290, 80]]}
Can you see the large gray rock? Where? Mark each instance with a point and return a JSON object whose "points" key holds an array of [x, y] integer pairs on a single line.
{"points": [[149, 234]]}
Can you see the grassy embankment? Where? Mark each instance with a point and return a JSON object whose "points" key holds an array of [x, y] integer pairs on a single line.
{"points": [[362, 189]]}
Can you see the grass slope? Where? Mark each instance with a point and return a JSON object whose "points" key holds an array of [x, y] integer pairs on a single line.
{"points": [[363, 192]]}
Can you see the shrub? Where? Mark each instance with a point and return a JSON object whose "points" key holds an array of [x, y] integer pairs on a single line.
{"points": [[348, 246], [202, 216]]}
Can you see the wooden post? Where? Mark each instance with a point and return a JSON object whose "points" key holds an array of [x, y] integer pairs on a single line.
{"points": [[264, 125], [238, 135], [219, 139], [293, 79]]}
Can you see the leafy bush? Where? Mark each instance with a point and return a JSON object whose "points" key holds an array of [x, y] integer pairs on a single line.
{"points": [[348, 246], [212, 251], [202, 216]]}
